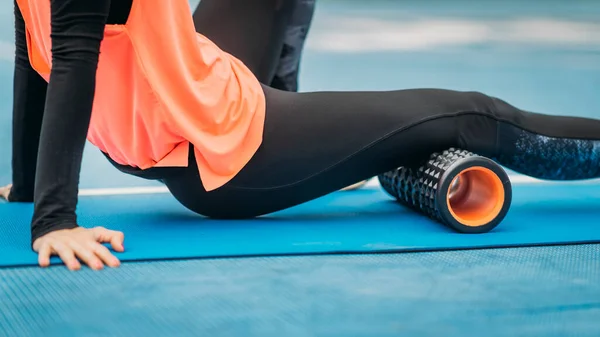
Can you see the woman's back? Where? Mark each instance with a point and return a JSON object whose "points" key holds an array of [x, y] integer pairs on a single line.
{"points": [[160, 80]]}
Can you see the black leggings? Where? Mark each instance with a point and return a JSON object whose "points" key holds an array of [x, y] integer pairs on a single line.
{"points": [[316, 143]]}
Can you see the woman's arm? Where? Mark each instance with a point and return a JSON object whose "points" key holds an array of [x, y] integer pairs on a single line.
{"points": [[77, 31], [29, 96]]}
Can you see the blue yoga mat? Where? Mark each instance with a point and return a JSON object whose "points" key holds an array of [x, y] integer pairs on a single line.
{"points": [[157, 227]]}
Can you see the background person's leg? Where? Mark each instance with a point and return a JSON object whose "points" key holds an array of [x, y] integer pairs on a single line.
{"points": [[317, 143]]}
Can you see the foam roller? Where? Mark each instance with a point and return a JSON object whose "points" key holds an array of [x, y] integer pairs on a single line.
{"points": [[464, 191]]}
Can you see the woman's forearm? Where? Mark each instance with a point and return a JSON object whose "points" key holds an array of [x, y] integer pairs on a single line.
{"points": [[77, 31], [29, 96]]}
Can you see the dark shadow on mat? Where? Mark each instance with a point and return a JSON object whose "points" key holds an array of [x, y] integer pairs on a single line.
{"points": [[358, 216], [352, 213]]}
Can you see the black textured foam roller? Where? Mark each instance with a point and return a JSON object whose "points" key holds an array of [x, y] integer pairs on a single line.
{"points": [[427, 189]]}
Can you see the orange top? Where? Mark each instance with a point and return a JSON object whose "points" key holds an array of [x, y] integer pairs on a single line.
{"points": [[160, 88]]}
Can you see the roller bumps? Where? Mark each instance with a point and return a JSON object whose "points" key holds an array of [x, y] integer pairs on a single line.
{"points": [[464, 191]]}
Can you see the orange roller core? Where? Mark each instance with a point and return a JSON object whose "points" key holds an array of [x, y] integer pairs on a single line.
{"points": [[476, 196]]}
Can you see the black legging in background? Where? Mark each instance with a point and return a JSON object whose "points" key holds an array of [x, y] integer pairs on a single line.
{"points": [[296, 32], [272, 47], [317, 143]]}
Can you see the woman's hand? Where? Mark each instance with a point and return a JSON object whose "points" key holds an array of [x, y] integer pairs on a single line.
{"points": [[80, 244], [5, 192]]}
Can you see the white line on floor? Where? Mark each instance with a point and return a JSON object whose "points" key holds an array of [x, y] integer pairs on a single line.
{"points": [[123, 190], [515, 179]]}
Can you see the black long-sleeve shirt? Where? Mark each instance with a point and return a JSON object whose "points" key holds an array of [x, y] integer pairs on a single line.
{"points": [[51, 120]]}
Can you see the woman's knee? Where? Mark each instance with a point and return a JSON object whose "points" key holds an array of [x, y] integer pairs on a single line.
{"points": [[480, 102], [495, 107], [478, 128]]}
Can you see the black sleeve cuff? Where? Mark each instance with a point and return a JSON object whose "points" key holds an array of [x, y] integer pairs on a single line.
{"points": [[20, 194]]}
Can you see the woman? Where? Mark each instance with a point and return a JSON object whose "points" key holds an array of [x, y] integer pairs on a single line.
{"points": [[296, 31], [163, 102]]}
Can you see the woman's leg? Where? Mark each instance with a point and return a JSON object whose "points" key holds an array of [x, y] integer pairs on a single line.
{"points": [[296, 32], [252, 31], [317, 143]]}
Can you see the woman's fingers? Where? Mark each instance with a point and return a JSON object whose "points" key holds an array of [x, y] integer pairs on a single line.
{"points": [[44, 255], [105, 255], [116, 242], [115, 238], [80, 244], [5, 191], [66, 254], [86, 254]]}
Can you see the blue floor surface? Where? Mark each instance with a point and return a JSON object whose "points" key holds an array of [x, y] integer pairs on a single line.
{"points": [[157, 227], [525, 292]]}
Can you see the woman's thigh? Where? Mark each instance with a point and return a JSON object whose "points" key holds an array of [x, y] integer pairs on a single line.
{"points": [[318, 143]]}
